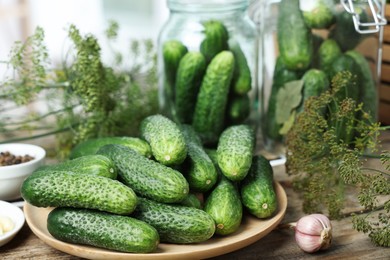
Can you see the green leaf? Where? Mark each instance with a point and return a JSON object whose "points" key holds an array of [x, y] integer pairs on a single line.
{"points": [[287, 99], [288, 124]]}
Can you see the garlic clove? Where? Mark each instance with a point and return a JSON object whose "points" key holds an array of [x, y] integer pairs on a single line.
{"points": [[308, 243], [313, 232]]}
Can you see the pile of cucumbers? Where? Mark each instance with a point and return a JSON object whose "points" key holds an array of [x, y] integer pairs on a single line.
{"points": [[129, 194], [317, 40], [207, 88]]}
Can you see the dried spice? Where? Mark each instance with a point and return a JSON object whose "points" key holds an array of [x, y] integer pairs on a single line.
{"points": [[7, 158]]}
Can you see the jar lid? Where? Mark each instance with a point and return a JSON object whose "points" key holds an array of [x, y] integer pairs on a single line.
{"points": [[206, 5]]}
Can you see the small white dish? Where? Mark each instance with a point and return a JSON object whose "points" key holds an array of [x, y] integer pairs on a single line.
{"points": [[12, 176], [16, 215]]}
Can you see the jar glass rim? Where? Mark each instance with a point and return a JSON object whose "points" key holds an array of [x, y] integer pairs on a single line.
{"points": [[206, 5]]}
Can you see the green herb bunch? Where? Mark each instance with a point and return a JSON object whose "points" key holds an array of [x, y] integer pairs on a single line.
{"points": [[325, 154], [86, 97]]}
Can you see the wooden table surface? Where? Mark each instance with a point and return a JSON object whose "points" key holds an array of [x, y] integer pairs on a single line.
{"points": [[279, 244]]}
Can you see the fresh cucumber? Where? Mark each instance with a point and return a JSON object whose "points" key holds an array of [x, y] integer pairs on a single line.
{"points": [[368, 91], [216, 39], [191, 200], [172, 51], [210, 108], [91, 146], [146, 177], [175, 223], [315, 82], [188, 79], [328, 52], [257, 189], [318, 14], [68, 189], [294, 36], [344, 32], [223, 204], [242, 80], [165, 139], [199, 170], [94, 164], [235, 150], [238, 109], [103, 230]]}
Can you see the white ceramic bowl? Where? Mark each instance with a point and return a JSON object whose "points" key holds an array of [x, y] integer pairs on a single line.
{"points": [[12, 176], [17, 217]]}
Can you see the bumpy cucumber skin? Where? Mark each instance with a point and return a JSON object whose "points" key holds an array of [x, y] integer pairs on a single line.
{"points": [[175, 223], [103, 230], [315, 82], [368, 91], [257, 191], [223, 204], [146, 177], [242, 79], [94, 164], [165, 139], [294, 37], [91, 146], [173, 52], [68, 189], [235, 150], [281, 76], [189, 77], [209, 115], [321, 16], [199, 169], [328, 52], [216, 39]]}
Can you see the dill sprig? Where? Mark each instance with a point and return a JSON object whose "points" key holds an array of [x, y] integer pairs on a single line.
{"points": [[85, 97], [325, 156]]}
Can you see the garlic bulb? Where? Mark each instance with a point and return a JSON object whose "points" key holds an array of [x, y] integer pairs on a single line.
{"points": [[313, 233]]}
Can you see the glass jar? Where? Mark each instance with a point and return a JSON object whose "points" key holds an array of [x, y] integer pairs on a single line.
{"points": [[306, 42], [208, 74]]}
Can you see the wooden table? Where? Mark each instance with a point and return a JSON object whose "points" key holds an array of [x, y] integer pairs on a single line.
{"points": [[279, 244]]}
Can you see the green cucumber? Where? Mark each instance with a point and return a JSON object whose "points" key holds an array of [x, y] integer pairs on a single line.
{"points": [[223, 204], [318, 14], [210, 108], [294, 36], [146, 177], [257, 189], [95, 164], [103, 230], [191, 201], [165, 139], [68, 189], [344, 32], [242, 80], [368, 90], [328, 52], [216, 39], [199, 169], [238, 109], [175, 223], [281, 76], [235, 150], [91, 146], [189, 77], [172, 51], [315, 82]]}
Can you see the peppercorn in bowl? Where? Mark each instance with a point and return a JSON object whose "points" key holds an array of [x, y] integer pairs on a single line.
{"points": [[17, 161]]}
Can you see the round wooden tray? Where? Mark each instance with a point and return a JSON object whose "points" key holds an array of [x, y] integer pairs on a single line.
{"points": [[251, 230]]}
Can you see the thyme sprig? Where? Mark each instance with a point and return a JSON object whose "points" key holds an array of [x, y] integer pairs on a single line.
{"points": [[325, 155]]}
